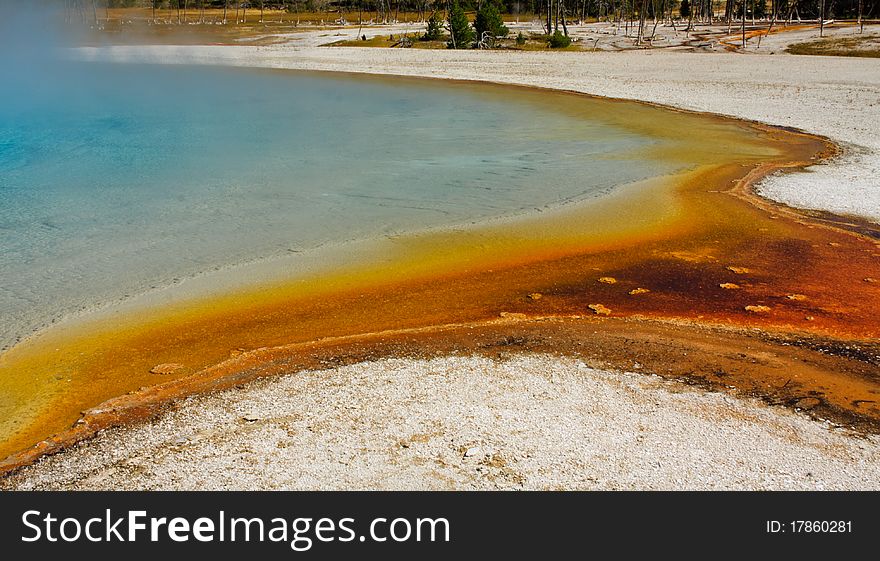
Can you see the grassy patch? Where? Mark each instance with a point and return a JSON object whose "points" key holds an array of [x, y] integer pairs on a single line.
{"points": [[842, 46], [387, 42], [533, 43]]}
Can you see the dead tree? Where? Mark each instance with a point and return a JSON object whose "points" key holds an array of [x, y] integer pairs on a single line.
{"points": [[549, 17], [861, 19], [641, 23], [564, 27]]}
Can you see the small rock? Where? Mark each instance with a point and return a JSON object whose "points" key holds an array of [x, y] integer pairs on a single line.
{"points": [[599, 309], [250, 418], [758, 309], [167, 368], [512, 315], [729, 286], [739, 270], [608, 280], [535, 296], [809, 318], [796, 297], [870, 279], [637, 291], [472, 451], [807, 403]]}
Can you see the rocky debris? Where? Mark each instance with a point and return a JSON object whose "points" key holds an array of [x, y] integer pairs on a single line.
{"points": [[738, 270], [637, 291], [729, 286], [250, 417], [535, 296], [512, 315], [871, 280], [758, 309], [608, 280], [166, 368], [796, 297], [472, 451], [599, 309]]}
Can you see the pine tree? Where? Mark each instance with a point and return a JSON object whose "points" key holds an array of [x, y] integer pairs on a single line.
{"points": [[433, 29], [460, 30], [488, 19]]}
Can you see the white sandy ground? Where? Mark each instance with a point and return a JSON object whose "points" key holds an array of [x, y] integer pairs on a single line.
{"points": [[536, 422], [837, 97]]}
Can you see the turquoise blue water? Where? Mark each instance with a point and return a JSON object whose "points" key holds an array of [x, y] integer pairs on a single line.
{"points": [[117, 179]]}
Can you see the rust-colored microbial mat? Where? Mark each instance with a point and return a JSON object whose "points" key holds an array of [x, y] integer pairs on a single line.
{"points": [[677, 271]]}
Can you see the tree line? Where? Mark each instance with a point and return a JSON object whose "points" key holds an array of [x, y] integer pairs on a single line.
{"points": [[551, 12]]}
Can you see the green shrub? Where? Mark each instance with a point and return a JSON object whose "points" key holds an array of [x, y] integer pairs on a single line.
{"points": [[559, 41], [433, 29], [460, 30], [489, 20], [520, 39]]}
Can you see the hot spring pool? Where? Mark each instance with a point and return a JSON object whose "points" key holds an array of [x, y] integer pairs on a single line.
{"points": [[118, 179]]}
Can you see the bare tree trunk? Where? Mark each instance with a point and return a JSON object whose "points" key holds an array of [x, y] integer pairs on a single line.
{"points": [[562, 9], [861, 19], [729, 10], [556, 18], [744, 24], [821, 18], [770, 26], [690, 21], [549, 18], [656, 19], [225, 10], [641, 24]]}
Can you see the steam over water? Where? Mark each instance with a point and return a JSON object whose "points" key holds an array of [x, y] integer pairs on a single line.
{"points": [[118, 178]]}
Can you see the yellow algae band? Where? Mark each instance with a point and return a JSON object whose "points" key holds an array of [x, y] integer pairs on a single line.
{"points": [[669, 237]]}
